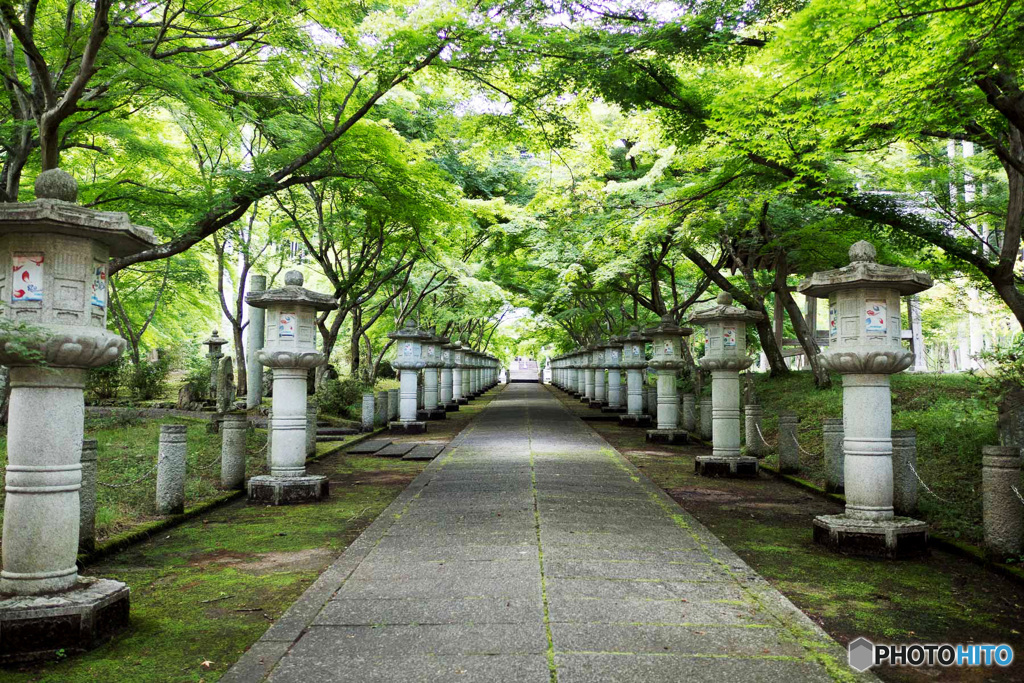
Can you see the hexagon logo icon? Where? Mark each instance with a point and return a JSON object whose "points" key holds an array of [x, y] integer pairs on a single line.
{"points": [[861, 654]]}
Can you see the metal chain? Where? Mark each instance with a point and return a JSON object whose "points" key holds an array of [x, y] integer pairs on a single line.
{"points": [[926, 488], [130, 483]]}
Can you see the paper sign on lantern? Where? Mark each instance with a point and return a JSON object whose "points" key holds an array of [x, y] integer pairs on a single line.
{"points": [[636, 350], [27, 274], [729, 337], [99, 286], [668, 348], [876, 317], [833, 326], [286, 326]]}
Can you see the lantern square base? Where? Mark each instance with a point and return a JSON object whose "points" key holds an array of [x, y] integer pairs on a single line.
{"points": [[34, 627], [452, 407], [270, 490], [717, 466], [617, 410], [597, 404], [628, 420], [407, 427], [667, 436], [462, 401], [432, 414], [892, 539], [584, 399]]}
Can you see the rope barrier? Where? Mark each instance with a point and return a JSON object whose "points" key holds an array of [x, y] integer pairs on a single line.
{"points": [[926, 487], [130, 483], [763, 440], [1019, 497]]}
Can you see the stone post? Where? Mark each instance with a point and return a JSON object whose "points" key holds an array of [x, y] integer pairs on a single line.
{"points": [[232, 450], [667, 340], [865, 346], [706, 419], [225, 385], [368, 412], [725, 355], [290, 349], [87, 496], [380, 409], [256, 332], [689, 420], [634, 360], [53, 279], [408, 361], [170, 470], [753, 414], [789, 452], [393, 402], [832, 431], [904, 464], [1002, 511], [312, 408]]}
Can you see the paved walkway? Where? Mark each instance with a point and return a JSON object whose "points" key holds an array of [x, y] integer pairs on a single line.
{"points": [[533, 552]]}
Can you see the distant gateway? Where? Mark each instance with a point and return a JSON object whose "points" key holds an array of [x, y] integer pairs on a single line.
{"points": [[524, 370]]}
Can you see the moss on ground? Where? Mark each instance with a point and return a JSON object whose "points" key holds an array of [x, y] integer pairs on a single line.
{"points": [[940, 598]]}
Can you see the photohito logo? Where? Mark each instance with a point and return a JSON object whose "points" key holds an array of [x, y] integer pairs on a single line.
{"points": [[863, 654]]}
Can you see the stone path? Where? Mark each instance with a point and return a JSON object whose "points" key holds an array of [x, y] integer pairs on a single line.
{"points": [[532, 551]]}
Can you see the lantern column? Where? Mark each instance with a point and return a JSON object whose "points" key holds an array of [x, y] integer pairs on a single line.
{"points": [[865, 347], [431, 352], [725, 355], [634, 360], [667, 339], [448, 377], [612, 351], [597, 362]]}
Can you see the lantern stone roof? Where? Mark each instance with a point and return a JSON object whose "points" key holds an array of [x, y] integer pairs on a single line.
{"points": [[668, 326], [724, 311], [408, 331], [862, 272], [292, 293], [111, 228], [635, 336], [215, 340]]}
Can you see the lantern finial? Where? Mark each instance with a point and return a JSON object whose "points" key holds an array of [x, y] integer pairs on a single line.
{"points": [[724, 299], [863, 251], [293, 278], [56, 184]]}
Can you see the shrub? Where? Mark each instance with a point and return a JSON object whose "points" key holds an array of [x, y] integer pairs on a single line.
{"points": [[148, 380], [104, 383], [341, 396]]}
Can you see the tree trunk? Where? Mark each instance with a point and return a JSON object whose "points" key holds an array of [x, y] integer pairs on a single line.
{"points": [[822, 380], [241, 377]]}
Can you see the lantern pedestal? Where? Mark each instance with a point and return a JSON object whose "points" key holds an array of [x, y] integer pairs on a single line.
{"points": [[719, 466], [270, 490], [894, 539]]}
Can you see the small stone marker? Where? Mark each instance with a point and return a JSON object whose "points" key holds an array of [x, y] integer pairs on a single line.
{"points": [[832, 431], [170, 470], [311, 415], [232, 450], [789, 453], [752, 416], [393, 399], [1002, 510], [368, 412], [706, 423], [689, 418], [395, 450], [87, 496], [424, 451], [380, 409], [371, 446], [225, 385], [904, 481]]}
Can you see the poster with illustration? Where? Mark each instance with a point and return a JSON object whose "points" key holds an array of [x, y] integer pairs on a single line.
{"points": [[407, 349], [833, 326], [877, 318], [636, 350], [99, 286], [27, 274], [668, 348], [430, 351], [729, 337], [286, 326]]}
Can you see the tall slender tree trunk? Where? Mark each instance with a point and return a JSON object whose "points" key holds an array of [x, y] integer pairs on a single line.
{"points": [[805, 336]]}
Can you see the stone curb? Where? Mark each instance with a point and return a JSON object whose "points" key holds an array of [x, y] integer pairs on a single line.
{"points": [[260, 659], [145, 532], [953, 546], [773, 601]]}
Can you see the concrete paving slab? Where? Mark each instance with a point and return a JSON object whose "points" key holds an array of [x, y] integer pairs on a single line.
{"points": [[395, 450], [370, 446], [530, 541], [423, 451]]}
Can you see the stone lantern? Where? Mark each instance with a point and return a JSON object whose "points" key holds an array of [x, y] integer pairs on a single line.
{"points": [[865, 348], [409, 361], [634, 360], [290, 349], [587, 363], [447, 397], [459, 375], [430, 348], [214, 352], [612, 353], [725, 354], [599, 398], [581, 361], [53, 287], [667, 339]]}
